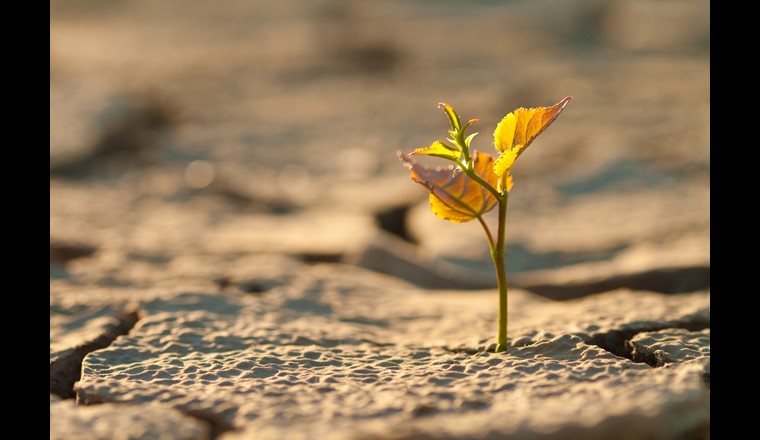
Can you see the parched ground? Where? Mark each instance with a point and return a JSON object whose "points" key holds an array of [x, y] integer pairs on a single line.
{"points": [[236, 251]]}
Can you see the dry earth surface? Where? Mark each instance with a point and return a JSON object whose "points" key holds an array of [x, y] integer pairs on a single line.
{"points": [[236, 252]]}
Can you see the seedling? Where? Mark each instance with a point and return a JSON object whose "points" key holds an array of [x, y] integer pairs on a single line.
{"points": [[477, 182]]}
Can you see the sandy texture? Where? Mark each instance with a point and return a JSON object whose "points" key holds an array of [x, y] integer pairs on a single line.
{"points": [[234, 241], [79, 328], [296, 172], [123, 422], [670, 346], [346, 353]]}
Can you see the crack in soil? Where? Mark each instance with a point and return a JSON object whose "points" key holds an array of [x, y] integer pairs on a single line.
{"points": [[394, 220], [217, 425], [668, 280], [617, 342], [67, 370], [63, 252]]}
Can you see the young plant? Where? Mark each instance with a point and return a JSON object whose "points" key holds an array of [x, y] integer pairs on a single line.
{"points": [[478, 182]]}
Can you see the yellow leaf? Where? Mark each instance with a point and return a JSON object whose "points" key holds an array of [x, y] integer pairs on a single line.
{"points": [[504, 162], [517, 130], [454, 196], [438, 149]]}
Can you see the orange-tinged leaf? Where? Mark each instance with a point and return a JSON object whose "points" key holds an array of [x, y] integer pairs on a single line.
{"points": [[470, 122], [438, 149], [454, 196], [517, 130]]}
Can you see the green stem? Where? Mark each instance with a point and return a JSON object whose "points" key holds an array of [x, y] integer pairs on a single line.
{"points": [[497, 254], [488, 233], [497, 250], [465, 149]]}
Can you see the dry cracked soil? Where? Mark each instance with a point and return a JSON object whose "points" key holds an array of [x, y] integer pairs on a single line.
{"points": [[237, 253]]}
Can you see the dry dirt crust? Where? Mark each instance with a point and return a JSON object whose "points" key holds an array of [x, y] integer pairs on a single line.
{"points": [[236, 251]]}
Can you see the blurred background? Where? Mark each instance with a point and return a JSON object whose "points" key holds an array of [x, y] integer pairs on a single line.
{"points": [[186, 133]]}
